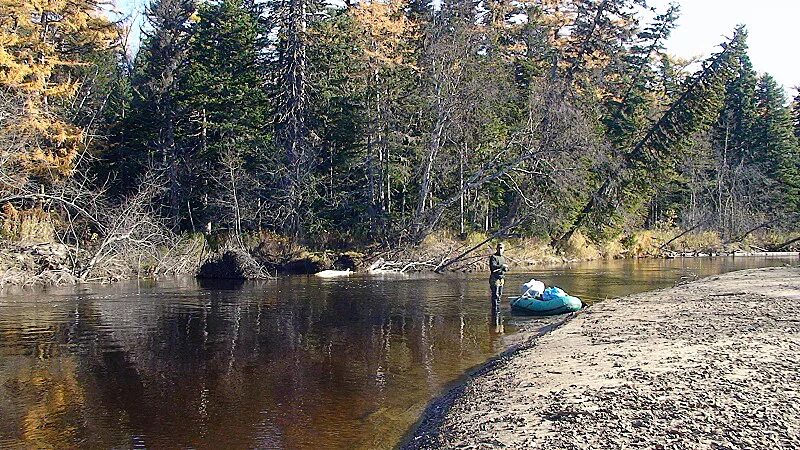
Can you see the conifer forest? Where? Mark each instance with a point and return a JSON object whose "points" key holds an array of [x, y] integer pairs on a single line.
{"points": [[382, 125]]}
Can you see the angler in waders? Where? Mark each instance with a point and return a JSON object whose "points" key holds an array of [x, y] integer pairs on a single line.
{"points": [[497, 268]]}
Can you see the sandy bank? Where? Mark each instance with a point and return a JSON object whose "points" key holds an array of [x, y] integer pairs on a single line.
{"points": [[711, 364]]}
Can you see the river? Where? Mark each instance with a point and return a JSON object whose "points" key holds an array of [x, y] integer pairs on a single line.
{"points": [[295, 363]]}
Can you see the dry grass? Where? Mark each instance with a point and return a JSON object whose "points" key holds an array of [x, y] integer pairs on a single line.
{"points": [[703, 242], [580, 248], [26, 226], [649, 243], [645, 243], [770, 239], [531, 251]]}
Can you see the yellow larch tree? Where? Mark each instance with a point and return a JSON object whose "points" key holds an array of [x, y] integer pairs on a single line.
{"points": [[386, 40], [39, 41], [386, 30]]}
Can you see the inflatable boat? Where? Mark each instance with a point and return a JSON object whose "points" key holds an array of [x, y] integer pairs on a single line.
{"points": [[538, 307]]}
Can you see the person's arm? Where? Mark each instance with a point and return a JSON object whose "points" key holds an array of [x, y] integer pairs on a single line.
{"points": [[494, 265]]}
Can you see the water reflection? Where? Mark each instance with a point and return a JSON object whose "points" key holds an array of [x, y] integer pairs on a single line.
{"points": [[295, 363]]}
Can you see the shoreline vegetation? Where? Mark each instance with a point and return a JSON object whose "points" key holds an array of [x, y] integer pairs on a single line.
{"points": [[266, 255], [709, 363], [245, 138]]}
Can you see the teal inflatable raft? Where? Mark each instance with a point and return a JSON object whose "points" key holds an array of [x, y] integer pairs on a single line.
{"points": [[550, 303]]}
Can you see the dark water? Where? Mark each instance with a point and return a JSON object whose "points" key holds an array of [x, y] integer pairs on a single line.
{"points": [[295, 363]]}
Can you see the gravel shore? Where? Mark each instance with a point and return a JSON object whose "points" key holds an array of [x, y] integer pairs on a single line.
{"points": [[713, 364]]}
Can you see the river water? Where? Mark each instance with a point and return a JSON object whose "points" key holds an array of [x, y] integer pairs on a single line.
{"points": [[296, 363]]}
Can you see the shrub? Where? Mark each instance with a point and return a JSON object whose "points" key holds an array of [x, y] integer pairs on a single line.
{"points": [[28, 226]]}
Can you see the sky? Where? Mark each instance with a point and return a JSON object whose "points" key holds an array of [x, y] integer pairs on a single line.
{"points": [[773, 26], [773, 33]]}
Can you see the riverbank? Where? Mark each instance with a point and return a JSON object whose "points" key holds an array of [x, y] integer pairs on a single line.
{"points": [[264, 254], [710, 364]]}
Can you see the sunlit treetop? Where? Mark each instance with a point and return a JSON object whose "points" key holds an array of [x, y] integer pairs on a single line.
{"points": [[39, 42]]}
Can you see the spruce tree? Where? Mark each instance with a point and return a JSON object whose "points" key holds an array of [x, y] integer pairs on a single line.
{"points": [[155, 112], [775, 146], [225, 75], [796, 113], [387, 40], [651, 161], [291, 94], [223, 100], [732, 146], [627, 110], [737, 119], [339, 117], [598, 37]]}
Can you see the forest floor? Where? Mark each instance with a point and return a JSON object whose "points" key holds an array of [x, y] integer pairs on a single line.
{"points": [[711, 364]]}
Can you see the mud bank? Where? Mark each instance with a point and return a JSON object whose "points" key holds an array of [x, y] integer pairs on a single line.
{"points": [[710, 364]]}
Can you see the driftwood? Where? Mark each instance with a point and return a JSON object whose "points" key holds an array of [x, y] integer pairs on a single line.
{"points": [[403, 266], [779, 247], [15, 277], [501, 232], [665, 244]]}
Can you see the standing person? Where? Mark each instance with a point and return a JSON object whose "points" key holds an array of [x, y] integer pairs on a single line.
{"points": [[497, 269]]}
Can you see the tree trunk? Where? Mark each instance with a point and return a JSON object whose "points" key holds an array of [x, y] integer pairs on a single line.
{"points": [[292, 127]]}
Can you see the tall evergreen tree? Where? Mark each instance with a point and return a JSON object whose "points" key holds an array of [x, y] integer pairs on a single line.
{"points": [[732, 144], [387, 40], [597, 39], [291, 94], [651, 161], [794, 179], [634, 99], [796, 113], [222, 97], [155, 113], [775, 146]]}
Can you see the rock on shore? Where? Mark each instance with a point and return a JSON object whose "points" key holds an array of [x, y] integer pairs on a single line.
{"points": [[713, 364], [232, 264]]}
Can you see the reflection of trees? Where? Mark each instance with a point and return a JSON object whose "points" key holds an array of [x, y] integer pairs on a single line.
{"points": [[298, 363], [54, 414], [44, 399]]}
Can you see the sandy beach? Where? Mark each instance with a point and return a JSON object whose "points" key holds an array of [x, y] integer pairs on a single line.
{"points": [[713, 364]]}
